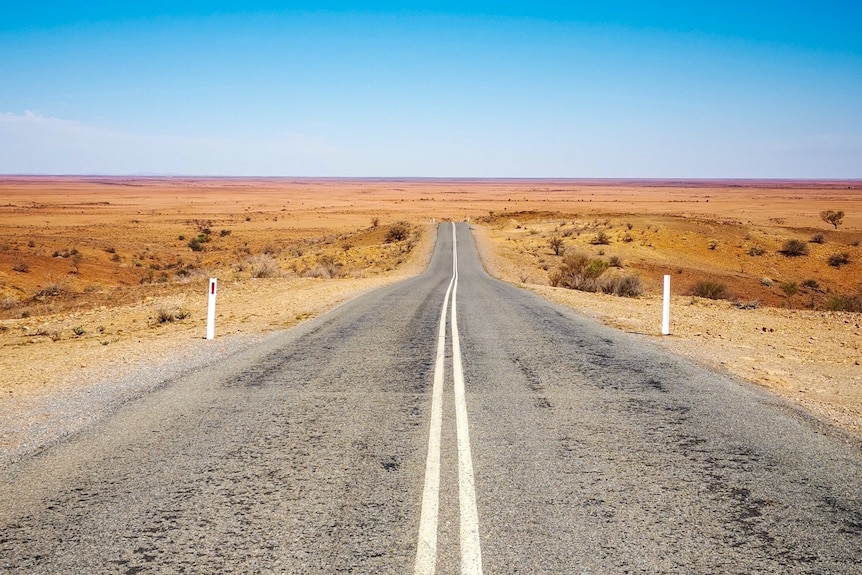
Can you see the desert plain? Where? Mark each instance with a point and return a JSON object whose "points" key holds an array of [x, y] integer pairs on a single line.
{"points": [[100, 275]]}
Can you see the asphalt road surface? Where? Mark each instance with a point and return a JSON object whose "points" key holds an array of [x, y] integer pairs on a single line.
{"points": [[365, 442]]}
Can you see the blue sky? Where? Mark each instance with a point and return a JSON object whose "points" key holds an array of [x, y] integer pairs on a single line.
{"points": [[732, 89]]}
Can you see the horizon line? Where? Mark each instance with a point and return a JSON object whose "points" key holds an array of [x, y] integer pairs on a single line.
{"points": [[444, 178]]}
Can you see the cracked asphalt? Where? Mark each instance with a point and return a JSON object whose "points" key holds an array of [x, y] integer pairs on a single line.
{"points": [[593, 453]]}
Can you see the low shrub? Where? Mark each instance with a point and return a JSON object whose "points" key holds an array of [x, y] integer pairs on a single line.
{"points": [[170, 310], [50, 290], [21, 267], [794, 248], [789, 288], [601, 239], [556, 244], [818, 239], [811, 284], [756, 251], [9, 302], [626, 285], [397, 232], [837, 260], [839, 302], [710, 290], [582, 273], [264, 266], [331, 265]]}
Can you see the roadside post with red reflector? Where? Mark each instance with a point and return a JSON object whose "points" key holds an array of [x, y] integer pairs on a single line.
{"points": [[665, 308], [211, 309]]}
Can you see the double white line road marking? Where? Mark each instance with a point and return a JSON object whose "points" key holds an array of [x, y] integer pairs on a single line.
{"points": [[426, 553]]}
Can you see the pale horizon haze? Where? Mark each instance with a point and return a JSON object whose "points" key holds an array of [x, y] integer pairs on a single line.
{"points": [[433, 89]]}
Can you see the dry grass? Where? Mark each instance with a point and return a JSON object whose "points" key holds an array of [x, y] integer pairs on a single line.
{"points": [[169, 310]]}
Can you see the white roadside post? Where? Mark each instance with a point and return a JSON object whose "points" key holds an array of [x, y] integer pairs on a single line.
{"points": [[665, 308], [211, 309]]}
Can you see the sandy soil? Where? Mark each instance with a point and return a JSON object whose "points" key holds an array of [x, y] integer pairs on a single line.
{"points": [[106, 256]]}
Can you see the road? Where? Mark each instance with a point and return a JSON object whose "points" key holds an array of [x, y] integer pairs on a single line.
{"points": [[364, 442]]}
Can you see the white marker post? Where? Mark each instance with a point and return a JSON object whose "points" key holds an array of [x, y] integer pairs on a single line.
{"points": [[211, 309], [665, 309]]}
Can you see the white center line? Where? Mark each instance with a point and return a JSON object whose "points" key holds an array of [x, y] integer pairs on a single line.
{"points": [[426, 553], [471, 553]]}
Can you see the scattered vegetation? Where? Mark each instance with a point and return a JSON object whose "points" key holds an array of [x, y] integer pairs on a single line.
{"points": [[756, 251], [818, 238], [811, 284], [67, 253], [50, 290]]}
